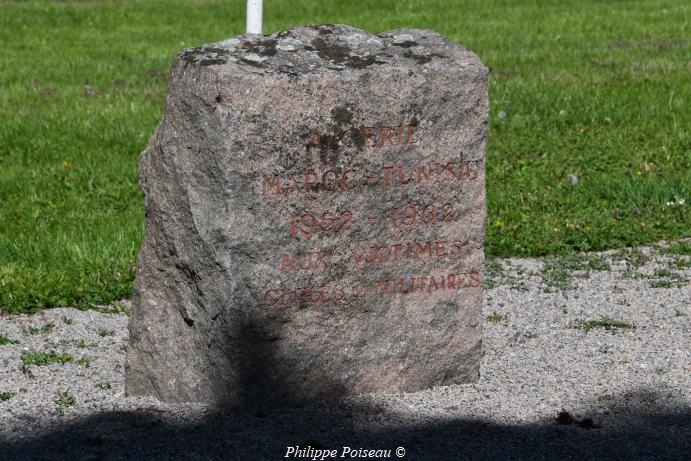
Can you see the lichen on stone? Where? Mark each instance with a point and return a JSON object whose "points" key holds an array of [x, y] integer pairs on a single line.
{"points": [[404, 40]]}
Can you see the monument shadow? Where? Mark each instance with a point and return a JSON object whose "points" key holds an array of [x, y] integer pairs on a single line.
{"points": [[633, 426]]}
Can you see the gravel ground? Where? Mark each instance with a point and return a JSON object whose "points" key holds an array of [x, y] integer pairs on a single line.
{"points": [[624, 392]]}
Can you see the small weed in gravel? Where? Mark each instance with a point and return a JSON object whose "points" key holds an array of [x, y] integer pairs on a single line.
{"points": [[117, 308], [557, 273], [495, 318], [32, 357], [103, 386], [493, 270], [26, 370], [555, 277], [85, 361], [682, 248], [678, 313], [661, 284], [63, 399], [496, 274], [605, 323], [67, 321], [103, 333], [664, 273], [516, 282], [5, 395], [664, 284], [588, 262], [5, 340], [521, 337], [680, 262], [47, 328], [667, 279], [633, 258], [632, 274]]}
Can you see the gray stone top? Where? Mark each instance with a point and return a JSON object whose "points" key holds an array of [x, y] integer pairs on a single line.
{"points": [[342, 48]]}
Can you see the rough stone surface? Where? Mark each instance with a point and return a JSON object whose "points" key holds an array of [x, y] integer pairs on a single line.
{"points": [[315, 208]]}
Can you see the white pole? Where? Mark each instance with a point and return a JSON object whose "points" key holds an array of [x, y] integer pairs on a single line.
{"points": [[254, 16]]}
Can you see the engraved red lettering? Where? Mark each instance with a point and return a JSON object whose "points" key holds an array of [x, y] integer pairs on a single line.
{"points": [[368, 132], [411, 132], [386, 134], [358, 258], [338, 295], [475, 278], [310, 182], [401, 176], [420, 249], [287, 263], [429, 214], [385, 287], [321, 259], [440, 248], [456, 248], [327, 218], [451, 281], [329, 181], [421, 283], [422, 174], [449, 211], [310, 262], [409, 216], [290, 295], [386, 171], [294, 185], [399, 135], [344, 179], [271, 184], [346, 216], [397, 248], [403, 287], [375, 255], [384, 251], [273, 294], [432, 284], [449, 167]]}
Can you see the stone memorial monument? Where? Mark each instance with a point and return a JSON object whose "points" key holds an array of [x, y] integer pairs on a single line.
{"points": [[315, 212]]}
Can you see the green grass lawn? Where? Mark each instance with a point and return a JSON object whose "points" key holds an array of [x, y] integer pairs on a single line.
{"points": [[594, 90]]}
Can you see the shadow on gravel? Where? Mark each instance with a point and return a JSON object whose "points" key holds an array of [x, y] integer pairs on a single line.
{"points": [[638, 426]]}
